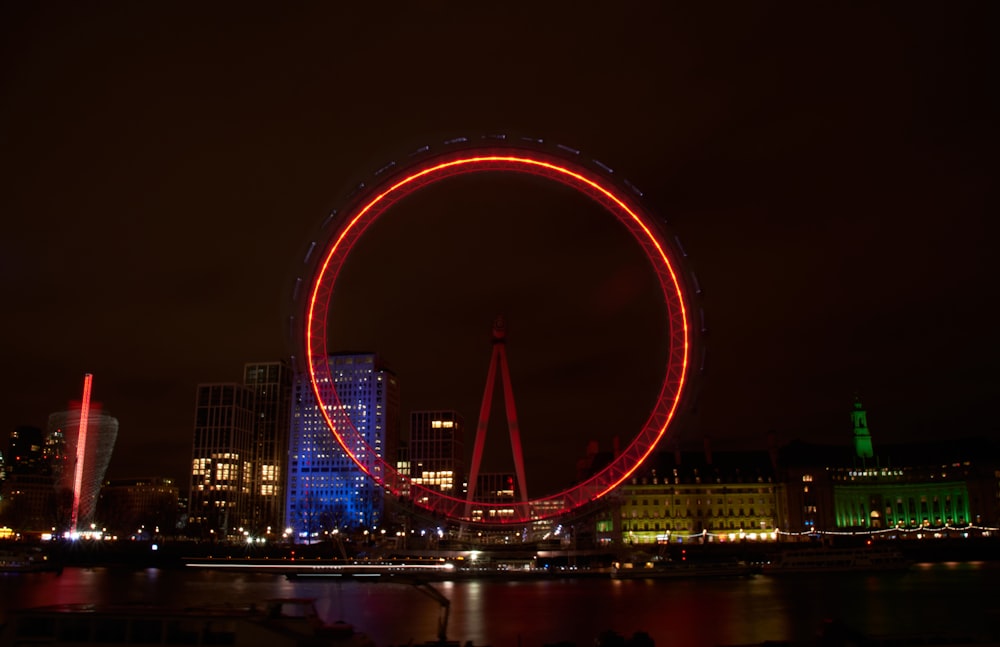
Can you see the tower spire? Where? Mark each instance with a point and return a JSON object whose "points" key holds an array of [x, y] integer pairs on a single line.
{"points": [[862, 437], [498, 362]]}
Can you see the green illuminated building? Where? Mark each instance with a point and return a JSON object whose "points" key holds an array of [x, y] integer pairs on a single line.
{"points": [[907, 497], [908, 486], [805, 489]]}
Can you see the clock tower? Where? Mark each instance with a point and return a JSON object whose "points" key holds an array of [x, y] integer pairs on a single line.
{"points": [[862, 437]]}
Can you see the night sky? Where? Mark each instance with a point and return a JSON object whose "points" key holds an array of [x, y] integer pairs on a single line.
{"points": [[828, 170]]}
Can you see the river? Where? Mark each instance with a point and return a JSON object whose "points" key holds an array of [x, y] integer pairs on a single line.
{"points": [[944, 598]]}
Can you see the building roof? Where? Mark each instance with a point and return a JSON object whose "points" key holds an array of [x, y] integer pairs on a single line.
{"points": [[957, 450]]}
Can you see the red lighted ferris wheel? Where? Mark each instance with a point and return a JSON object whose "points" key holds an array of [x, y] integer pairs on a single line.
{"points": [[494, 154]]}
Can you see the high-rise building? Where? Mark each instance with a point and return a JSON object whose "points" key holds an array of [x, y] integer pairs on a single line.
{"points": [[326, 490], [222, 460], [271, 383], [437, 450]]}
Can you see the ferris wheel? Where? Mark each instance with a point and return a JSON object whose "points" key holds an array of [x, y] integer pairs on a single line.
{"points": [[429, 165]]}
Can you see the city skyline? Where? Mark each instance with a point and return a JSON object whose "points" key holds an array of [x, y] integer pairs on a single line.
{"points": [[826, 173]]}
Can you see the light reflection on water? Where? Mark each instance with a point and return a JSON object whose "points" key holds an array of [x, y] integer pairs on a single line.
{"points": [[941, 598]]}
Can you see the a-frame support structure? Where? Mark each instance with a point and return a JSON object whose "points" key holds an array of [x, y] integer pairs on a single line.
{"points": [[498, 362]]}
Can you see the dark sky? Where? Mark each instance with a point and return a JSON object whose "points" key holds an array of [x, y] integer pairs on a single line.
{"points": [[828, 169]]}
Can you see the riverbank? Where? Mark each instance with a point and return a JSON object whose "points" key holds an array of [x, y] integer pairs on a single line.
{"points": [[513, 562]]}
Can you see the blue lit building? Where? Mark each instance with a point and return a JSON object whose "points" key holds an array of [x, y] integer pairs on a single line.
{"points": [[325, 489]]}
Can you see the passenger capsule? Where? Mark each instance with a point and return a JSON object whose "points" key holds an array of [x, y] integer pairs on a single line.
{"points": [[607, 169], [384, 168], [634, 188]]}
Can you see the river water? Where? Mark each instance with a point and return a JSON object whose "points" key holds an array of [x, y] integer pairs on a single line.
{"points": [[945, 598]]}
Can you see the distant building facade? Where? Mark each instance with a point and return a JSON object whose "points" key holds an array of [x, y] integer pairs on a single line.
{"points": [[24, 451], [326, 490], [28, 503], [495, 488], [27, 492], [223, 449], [49, 485], [141, 507], [908, 486], [695, 496]]}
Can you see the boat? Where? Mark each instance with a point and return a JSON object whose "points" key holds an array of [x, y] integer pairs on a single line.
{"points": [[281, 622], [683, 570], [26, 560], [826, 559], [293, 568]]}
